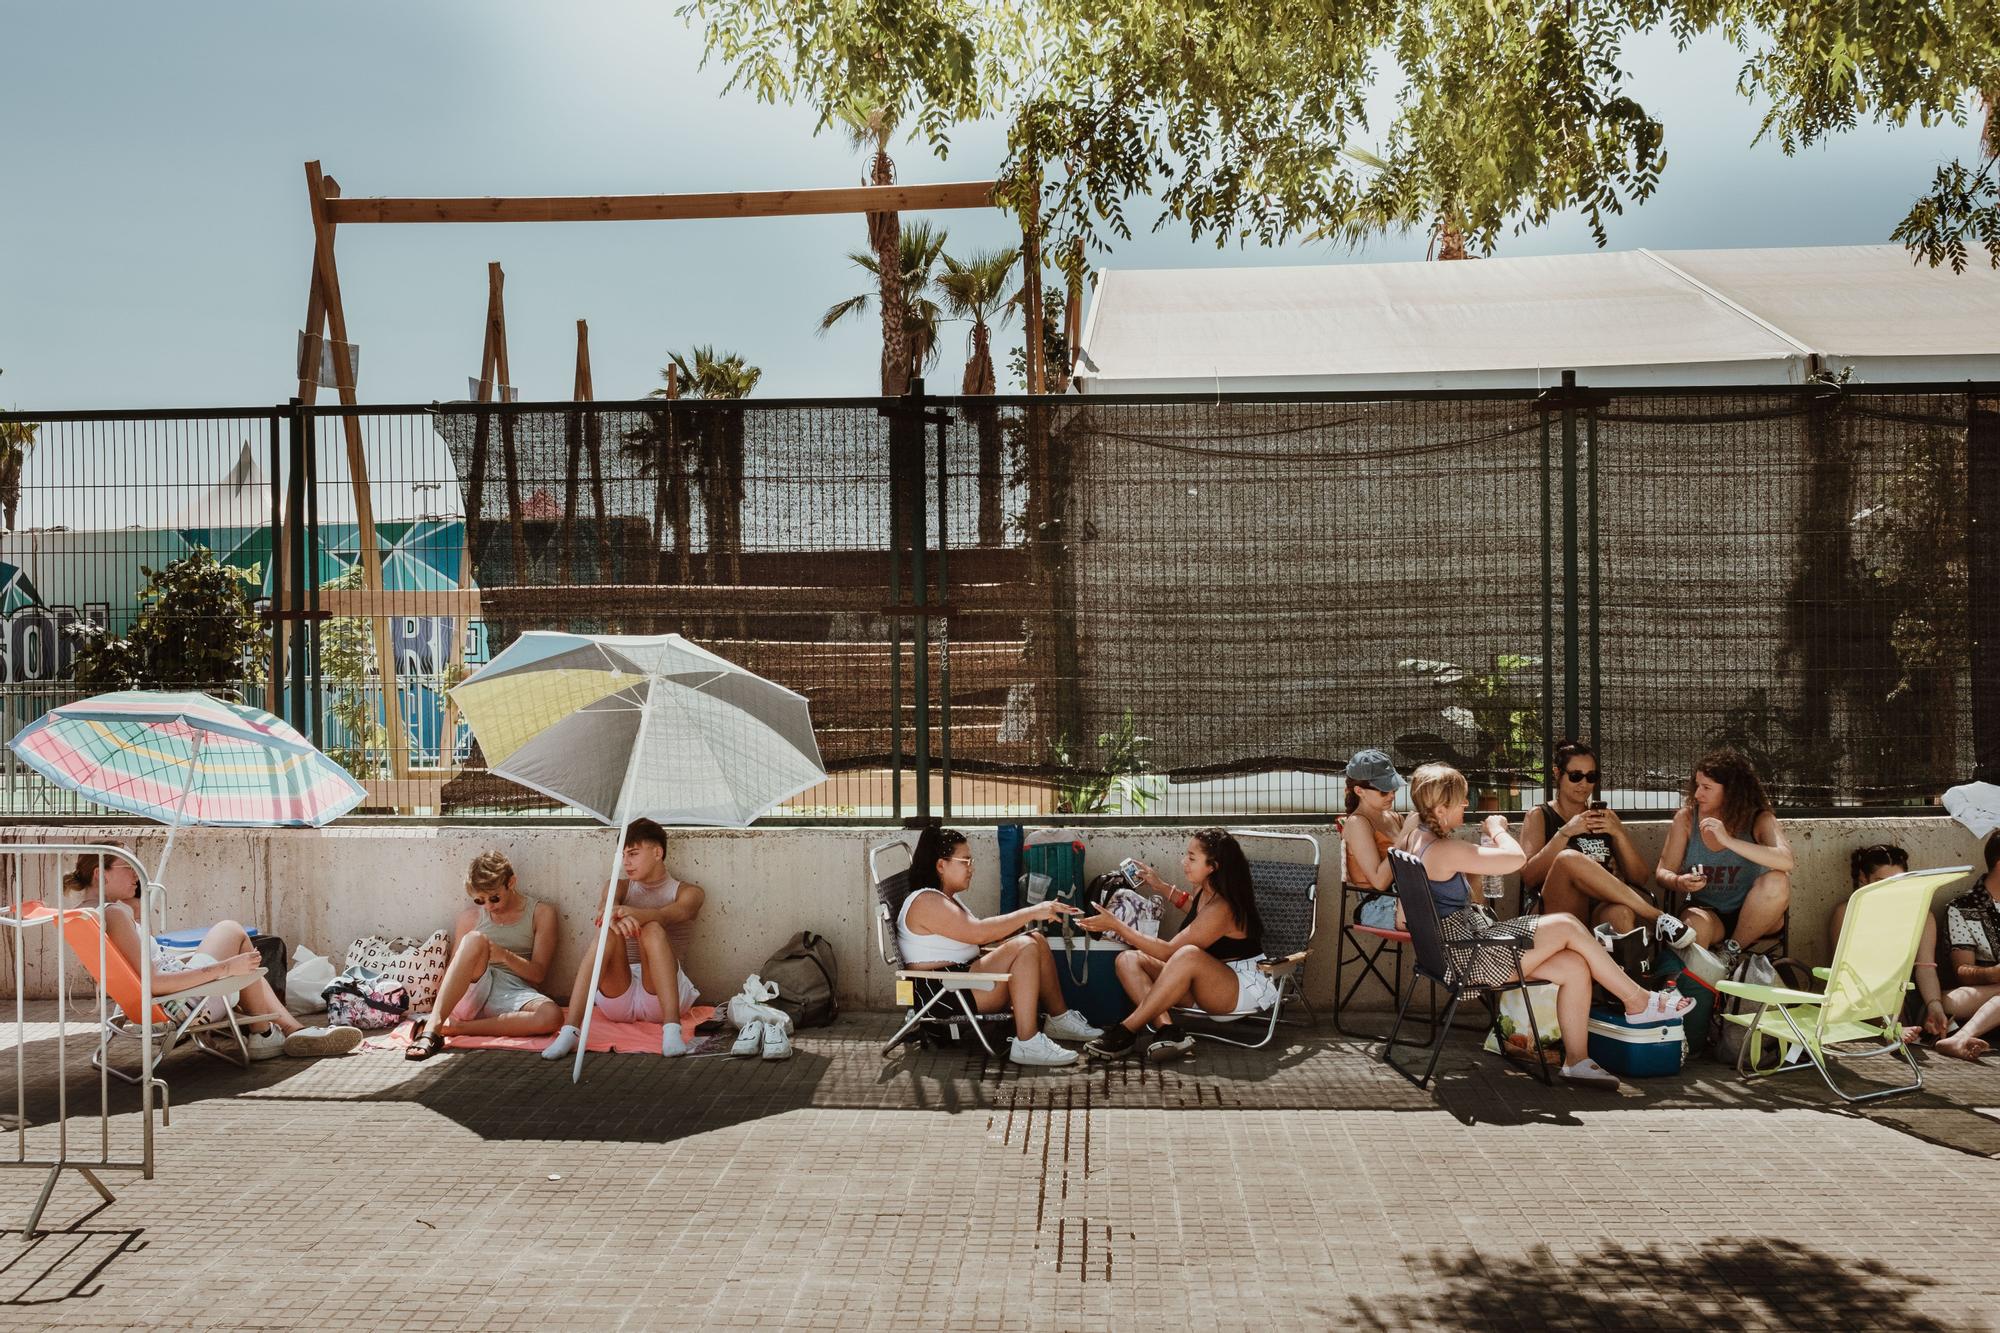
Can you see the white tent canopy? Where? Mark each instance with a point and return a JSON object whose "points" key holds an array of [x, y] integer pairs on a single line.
{"points": [[1641, 317], [242, 499]]}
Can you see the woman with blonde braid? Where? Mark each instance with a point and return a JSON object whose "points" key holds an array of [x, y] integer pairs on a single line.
{"points": [[1555, 947]]}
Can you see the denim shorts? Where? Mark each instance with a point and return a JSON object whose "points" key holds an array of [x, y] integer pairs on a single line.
{"points": [[1378, 910]]}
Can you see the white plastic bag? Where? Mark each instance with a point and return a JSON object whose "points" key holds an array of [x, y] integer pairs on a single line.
{"points": [[309, 975], [753, 1005]]}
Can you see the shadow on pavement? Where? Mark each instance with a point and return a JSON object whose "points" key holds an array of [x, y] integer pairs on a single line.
{"points": [[1722, 1284], [56, 1266]]}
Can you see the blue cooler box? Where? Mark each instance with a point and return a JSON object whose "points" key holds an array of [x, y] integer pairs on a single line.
{"points": [[1098, 997], [1635, 1050]]}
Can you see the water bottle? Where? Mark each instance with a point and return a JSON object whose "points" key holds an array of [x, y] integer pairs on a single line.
{"points": [[1491, 887]]}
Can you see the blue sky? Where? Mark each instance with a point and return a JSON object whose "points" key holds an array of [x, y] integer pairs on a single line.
{"points": [[154, 245]]}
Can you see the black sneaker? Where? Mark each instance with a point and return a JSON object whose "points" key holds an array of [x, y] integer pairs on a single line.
{"points": [[1171, 1048], [1117, 1042], [1672, 931]]}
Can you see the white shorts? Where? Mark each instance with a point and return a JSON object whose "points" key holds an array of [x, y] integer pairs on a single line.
{"points": [[639, 1005], [184, 962], [496, 994], [1254, 990]]}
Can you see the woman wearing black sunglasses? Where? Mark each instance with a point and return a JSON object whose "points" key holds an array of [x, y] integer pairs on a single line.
{"points": [[1581, 857]]}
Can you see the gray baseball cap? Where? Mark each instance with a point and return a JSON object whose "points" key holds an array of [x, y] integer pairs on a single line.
{"points": [[1376, 769]]}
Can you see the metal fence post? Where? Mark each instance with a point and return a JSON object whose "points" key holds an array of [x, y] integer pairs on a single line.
{"points": [[910, 431], [315, 682], [1572, 667], [943, 420], [294, 596], [1548, 618], [1982, 585], [1596, 660]]}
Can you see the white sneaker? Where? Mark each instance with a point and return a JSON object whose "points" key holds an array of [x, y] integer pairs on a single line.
{"points": [[672, 1041], [308, 1043], [564, 1043], [1170, 1048], [1038, 1050], [749, 1039], [1070, 1025], [266, 1045], [777, 1042]]}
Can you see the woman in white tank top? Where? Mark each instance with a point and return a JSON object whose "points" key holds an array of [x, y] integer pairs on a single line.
{"points": [[934, 931]]}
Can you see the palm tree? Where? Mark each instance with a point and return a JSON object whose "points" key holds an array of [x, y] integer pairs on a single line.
{"points": [[1392, 204], [920, 246], [17, 441], [869, 129], [982, 290], [703, 374], [717, 438]]}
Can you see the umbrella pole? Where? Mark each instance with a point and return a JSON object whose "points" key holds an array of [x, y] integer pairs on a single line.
{"points": [[610, 890], [180, 811]]}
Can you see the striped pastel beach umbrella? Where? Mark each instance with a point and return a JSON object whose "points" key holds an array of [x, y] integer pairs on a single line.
{"points": [[187, 758], [625, 726]]}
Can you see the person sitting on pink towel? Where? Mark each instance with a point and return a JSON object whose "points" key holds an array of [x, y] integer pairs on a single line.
{"points": [[642, 981]]}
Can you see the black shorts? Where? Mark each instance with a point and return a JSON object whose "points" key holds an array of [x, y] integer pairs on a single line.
{"points": [[1727, 915]]}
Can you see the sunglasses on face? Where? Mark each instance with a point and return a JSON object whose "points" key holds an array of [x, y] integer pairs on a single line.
{"points": [[1580, 775], [959, 860]]}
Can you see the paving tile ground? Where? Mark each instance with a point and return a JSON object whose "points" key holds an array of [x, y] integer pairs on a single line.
{"points": [[1301, 1187]]}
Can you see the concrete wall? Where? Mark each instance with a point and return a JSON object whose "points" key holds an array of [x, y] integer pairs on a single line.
{"points": [[323, 888]]}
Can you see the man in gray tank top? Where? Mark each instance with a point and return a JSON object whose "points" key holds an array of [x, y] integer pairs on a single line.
{"points": [[642, 980]]}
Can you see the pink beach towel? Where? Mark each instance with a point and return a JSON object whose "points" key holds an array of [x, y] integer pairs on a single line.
{"points": [[605, 1035]]}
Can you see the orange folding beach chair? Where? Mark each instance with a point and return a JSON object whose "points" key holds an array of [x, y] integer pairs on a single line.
{"points": [[177, 1020]]}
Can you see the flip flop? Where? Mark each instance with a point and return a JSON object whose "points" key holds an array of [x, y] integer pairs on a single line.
{"points": [[425, 1046]]}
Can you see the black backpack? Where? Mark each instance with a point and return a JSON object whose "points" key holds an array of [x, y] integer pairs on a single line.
{"points": [[807, 978]]}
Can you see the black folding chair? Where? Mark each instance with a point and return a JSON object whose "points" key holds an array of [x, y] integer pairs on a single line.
{"points": [[1432, 963], [936, 1003]]}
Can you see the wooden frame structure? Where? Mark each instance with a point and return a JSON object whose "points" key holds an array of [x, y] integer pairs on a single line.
{"points": [[326, 327]]}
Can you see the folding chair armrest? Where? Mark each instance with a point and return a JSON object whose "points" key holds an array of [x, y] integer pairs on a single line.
{"points": [[235, 985], [1487, 942], [1769, 994], [1272, 967], [1826, 974], [956, 980]]}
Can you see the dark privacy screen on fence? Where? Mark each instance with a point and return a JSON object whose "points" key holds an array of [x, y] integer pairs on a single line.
{"points": [[1203, 588]]}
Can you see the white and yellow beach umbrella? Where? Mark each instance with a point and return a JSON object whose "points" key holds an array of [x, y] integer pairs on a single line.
{"points": [[630, 726], [626, 727]]}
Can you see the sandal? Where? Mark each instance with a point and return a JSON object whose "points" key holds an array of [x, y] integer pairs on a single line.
{"points": [[1590, 1074], [1662, 1007], [425, 1046]]}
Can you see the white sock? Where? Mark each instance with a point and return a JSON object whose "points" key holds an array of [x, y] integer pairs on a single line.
{"points": [[564, 1044], [671, 1040]]}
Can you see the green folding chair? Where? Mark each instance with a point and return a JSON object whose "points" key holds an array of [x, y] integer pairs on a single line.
{"points": [[1864, 987]]}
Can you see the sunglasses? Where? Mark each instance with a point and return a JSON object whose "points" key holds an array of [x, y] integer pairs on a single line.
{"points": [[1578, 775], [494, 901], [960, 860]]}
